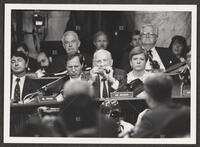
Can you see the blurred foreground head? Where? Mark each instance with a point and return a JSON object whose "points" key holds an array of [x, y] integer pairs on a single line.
{"points": [[78, 109], [77, 87], [158, 88], [80, 114]]}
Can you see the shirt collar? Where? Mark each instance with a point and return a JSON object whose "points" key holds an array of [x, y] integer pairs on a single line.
{"points": [[72, 79], [21, 78]]}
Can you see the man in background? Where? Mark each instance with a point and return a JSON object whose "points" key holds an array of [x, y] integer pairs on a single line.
{"points": [[100, 40], [32, 64], [45, 63], [71, 44], [159, 58], [21, 85], [135, 41]]}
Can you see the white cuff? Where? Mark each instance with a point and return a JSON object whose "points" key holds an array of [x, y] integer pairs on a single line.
{"points": [[115, 85]]}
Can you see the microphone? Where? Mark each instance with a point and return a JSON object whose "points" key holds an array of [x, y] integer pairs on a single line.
{"points": [[107, 71], [101, 71]]}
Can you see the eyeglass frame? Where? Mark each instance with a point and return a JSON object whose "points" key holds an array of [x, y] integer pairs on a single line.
{"points": [[149, 33]]}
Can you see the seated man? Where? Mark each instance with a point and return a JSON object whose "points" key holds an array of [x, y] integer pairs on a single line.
{"points": [[100, 40], [159, 58], [45, 63], [32, 65], [158, 88], [21, 85], [74, 63], [71, 44], [104, 78]]}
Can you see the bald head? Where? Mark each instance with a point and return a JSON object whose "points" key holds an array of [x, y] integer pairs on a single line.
{"points": [[159, 87], [77, 87]]}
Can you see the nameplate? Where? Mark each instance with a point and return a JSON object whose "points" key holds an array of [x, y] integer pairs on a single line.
{"points": [[45, 99], [121, 94]]}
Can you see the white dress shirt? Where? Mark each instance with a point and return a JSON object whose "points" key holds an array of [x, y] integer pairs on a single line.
{"points": [[131, 77], [155, 57], [115, 86], [21, 85]]}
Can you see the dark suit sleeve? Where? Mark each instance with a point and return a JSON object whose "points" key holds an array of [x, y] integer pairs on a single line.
{"points": [[145, 128], [166, 56], [29, 86], [120, 75]]}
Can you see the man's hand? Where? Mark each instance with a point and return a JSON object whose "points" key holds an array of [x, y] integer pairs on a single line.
{"points": [[108, 74], [93, 74]]}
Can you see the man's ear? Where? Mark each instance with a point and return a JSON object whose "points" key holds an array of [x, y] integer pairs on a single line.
{"points": [[79, 43], [26, 65], [50, 59], [82, 65], [111, 62], [94, 42], [93, 64], [131, 64]]}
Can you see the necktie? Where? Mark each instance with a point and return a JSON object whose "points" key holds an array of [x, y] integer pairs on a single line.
{"points": [[17, 91], [149, 53], [105, 93], [154, 64]]}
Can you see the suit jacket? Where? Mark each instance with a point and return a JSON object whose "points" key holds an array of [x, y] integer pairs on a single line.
{"points": [[154, 120], [29, 86], [118, 74], [32, 65], [166, 56], [57, 85], [58, 62]]}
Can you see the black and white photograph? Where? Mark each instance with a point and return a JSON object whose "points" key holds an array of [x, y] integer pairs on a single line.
{"points": [[100, 74]]}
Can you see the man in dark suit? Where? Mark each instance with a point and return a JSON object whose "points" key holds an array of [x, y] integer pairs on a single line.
{"points": [[71, 44], [158, 88], [159, 58], [74, 63], [31, 64], [104, 78], [21, 85]]}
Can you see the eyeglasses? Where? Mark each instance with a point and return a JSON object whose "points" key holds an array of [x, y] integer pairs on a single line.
{"points": [[150, 34]]}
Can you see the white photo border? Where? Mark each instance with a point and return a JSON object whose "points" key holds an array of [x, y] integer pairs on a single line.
{"points": [[99, 7]]}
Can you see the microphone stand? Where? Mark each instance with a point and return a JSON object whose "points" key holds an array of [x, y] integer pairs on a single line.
{"points": [[40, 91], [45, 87], [30, 96]]}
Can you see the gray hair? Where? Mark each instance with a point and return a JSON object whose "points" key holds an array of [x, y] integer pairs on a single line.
{"points": [[70, 33], [104, 51]]}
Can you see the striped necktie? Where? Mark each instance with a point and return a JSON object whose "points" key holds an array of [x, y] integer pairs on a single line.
{"points": [[17, 91], [105, 92]]}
